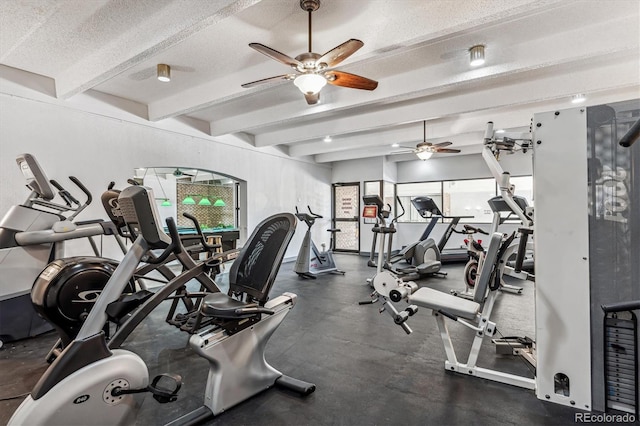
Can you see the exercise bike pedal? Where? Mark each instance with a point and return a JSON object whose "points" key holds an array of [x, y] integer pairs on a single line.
{"points": [[161, 392], [162, 389]]}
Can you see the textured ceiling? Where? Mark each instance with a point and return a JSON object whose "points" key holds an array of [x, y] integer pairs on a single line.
{"points": [[539, 53]]}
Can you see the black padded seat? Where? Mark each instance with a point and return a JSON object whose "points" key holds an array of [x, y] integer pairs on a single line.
{"points": [[220, 305]]}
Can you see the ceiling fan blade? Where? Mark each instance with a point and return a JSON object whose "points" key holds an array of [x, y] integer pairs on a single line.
{"points": [[340, 53], [442, 144], [269, 80], [406, 151], [312, 99], [344, 79], [447, 151], [274, 54]]}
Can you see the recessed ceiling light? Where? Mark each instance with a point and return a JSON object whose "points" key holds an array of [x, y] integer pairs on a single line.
{"points": [[576, 99], [327, 139], [476, 55], [395, 145], [500, 131]]}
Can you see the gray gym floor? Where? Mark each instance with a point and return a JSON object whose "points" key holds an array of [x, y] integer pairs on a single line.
{"points": [[366, 369]]}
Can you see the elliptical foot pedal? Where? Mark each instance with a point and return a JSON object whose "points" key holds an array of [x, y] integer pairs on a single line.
{"points": [[301, 387]]}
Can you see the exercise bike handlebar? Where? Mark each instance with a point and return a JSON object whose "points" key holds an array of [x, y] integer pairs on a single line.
{"points": [[317, 216]]}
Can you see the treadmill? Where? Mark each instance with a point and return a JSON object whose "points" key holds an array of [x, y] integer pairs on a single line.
{"points": [[428, 209]]}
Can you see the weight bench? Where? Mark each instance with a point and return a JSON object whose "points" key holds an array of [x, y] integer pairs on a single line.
{"points": [[474, 314]]}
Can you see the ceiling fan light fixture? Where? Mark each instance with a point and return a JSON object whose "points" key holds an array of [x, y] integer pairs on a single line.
{"points": [[310, 84], [476, 55], [424, 155], [164, 73]]}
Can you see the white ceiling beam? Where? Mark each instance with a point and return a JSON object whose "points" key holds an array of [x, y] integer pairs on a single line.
{"points": [[627, 90], [440, 129], [459, 142], [620, 73], [153, 35], [537, 57], [467, 20]]}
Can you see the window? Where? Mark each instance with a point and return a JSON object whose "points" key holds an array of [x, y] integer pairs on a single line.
{"points": [[524, 187], [468, 198]]}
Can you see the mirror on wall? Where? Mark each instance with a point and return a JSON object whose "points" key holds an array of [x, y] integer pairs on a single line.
{"points": [[210, 197]]}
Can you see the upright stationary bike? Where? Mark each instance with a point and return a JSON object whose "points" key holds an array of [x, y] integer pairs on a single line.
{"points": [[311, 262]]}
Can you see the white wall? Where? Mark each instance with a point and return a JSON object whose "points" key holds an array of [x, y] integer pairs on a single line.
{"points": [[84, 142]]}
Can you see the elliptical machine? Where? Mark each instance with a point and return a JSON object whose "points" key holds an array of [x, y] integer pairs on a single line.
{"points": [[65, 292], [311, 262], [90, 380], [32, 235], [423, 256]]}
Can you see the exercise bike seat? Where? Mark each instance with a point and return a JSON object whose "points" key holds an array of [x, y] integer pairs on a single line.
{"points": [[220, 305]]}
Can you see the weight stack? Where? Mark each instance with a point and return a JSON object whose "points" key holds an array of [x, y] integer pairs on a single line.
{"points": [[621, 361]]}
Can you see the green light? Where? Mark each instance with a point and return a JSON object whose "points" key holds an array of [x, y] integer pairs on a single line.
{"points": [[166, 203], [219, 203], [189, 200], [204, 202]]}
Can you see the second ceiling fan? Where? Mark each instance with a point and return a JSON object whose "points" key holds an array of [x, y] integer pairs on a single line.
{"points": [[314, 71], [424, 150]]}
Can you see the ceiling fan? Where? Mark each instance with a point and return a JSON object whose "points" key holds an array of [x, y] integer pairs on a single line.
{"points": [[314, 71], [424, 150]]}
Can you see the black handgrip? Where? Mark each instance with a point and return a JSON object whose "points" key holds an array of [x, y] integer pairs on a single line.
{"points": [[83, 188], [447, 314], [402, 207], [174, 247], [66, 196], [175, 236], [631, 136], [314, 214], [256, 310], [56, 184], [132, 182], [196, 224], [621, 306], [522, 248], [111, 185]]}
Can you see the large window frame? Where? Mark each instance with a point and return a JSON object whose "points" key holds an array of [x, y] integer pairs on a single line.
{"points": [[412, 216]]}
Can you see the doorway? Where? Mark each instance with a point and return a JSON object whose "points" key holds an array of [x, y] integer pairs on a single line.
{"points": [[346, 216]]}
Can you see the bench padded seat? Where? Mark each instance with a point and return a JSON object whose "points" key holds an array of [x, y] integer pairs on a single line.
{"points": [[433, 299]]}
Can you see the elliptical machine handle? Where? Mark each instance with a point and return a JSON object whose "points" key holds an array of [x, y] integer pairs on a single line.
{"points": [[83, 188], [174, 247], [395, 219], [203, 240]]}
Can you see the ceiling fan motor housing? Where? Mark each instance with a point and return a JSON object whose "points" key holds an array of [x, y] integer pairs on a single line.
{"points": [[310, 5]]}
